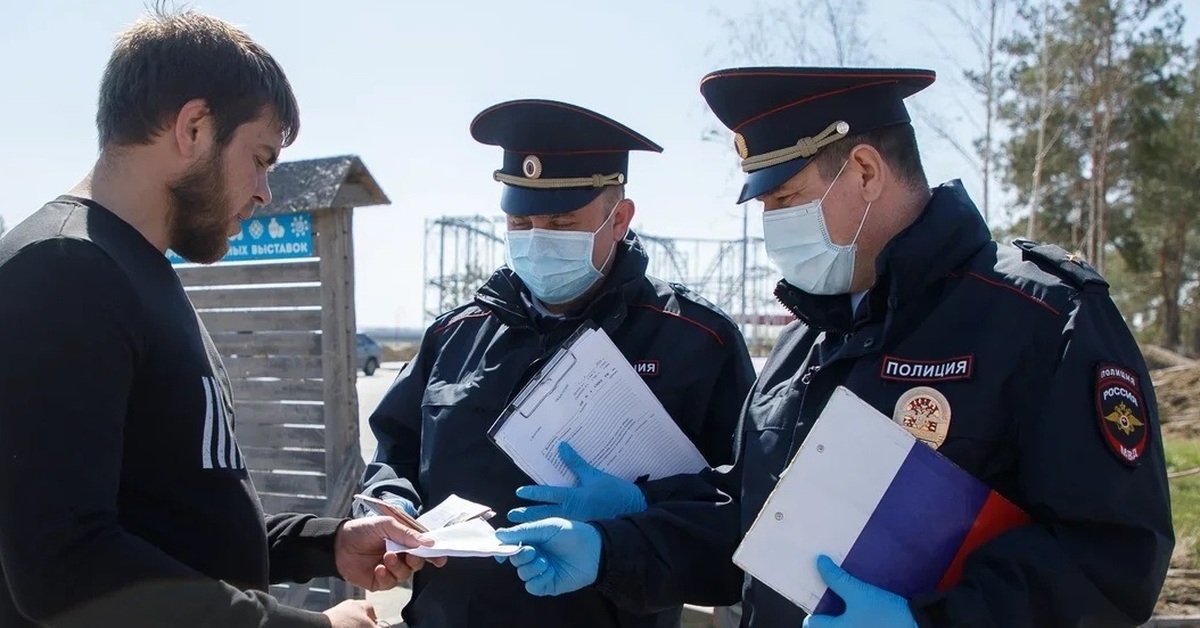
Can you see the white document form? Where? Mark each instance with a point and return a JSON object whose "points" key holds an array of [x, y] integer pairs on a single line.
{"points": [[590, 396]]}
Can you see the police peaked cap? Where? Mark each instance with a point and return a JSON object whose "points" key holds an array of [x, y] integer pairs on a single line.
{"points": [[782, 117], [558, 157]]}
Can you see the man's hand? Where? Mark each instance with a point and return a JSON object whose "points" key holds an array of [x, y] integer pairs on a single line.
{"points": [[559, 556], [362, 559], [597, 495], [866, 605], [352, 614]]}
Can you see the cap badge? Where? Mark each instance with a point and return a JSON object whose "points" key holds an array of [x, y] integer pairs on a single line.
{"points": [[532, 167], [739, 143]]}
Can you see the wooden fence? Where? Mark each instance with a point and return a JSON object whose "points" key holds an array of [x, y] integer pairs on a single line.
{"points": [[280, 309]]}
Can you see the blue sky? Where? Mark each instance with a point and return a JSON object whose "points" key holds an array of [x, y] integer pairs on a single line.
{"points": [[398, 82]]}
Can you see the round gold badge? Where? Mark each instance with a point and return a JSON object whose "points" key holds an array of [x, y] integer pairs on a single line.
{"points": [[739, 143], [532, 167], [925, 413]]}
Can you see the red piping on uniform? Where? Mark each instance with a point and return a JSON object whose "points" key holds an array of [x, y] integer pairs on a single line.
{"points": [[459, 319], [682, 318], [1008, 287], [809, 98]]}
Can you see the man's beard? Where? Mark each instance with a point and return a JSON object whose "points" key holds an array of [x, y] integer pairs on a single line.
{"points": [[199, 220]]}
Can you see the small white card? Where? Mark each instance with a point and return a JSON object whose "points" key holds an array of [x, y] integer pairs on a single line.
{"points": [[471, 538], [454, 510]]}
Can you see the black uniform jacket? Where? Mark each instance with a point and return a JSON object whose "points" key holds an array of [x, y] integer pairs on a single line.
{"points": [[1048, 400], [432, 425]]}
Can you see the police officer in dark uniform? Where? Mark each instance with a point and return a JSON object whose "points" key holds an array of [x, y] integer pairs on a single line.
{"points": [[1013, 356], [572, 260]]}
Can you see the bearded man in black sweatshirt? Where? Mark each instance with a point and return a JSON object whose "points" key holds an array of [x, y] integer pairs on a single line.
{"points": [[124, 498]]}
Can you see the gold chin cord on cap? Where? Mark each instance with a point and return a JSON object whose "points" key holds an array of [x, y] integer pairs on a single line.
{"points": [[806, 147], [595, 181]]}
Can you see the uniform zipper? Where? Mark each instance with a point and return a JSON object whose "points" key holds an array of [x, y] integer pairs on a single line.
{"points": [[807, 376], [787, 291]]}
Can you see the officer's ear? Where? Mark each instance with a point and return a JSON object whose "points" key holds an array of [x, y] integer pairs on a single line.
{"points": [[868, 171], [622, 218]]}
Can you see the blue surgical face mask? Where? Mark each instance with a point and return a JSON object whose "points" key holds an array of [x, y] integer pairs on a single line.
{"points": [[798, 242], [556, 265]]}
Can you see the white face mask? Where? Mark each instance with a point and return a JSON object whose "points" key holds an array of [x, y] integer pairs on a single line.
{"points": [[798, 243], [556, 265]]}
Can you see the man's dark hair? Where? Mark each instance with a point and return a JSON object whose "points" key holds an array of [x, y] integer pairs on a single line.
{"points": [[613, 194], [897, 144], [171, 57]]}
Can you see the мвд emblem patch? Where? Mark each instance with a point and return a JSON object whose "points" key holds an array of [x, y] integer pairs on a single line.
{"points": [[1121, 411], [925, 413]]}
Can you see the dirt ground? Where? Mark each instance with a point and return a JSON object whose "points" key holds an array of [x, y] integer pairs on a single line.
{"points": [[1178, 391], [1180, 596]]}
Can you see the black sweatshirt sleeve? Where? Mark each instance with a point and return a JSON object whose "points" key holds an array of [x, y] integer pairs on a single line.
{"points": [[301, 546], [69, 335]]}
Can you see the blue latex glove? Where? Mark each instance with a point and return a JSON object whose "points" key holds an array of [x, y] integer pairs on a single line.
{"points": [[867, 606], [559, 556], [597, 495], [402, 504]]}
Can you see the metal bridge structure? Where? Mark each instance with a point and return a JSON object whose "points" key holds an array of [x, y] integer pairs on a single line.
{"points": [[461, 252]]}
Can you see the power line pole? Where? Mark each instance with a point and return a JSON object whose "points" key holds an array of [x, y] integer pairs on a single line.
{"points": [[745, 257]]}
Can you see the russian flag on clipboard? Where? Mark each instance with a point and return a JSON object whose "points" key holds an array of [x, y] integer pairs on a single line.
{"points": [[888, 508]]}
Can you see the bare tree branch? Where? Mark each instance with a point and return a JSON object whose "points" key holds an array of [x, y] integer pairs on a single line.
{"points": [[941, 129], [788, 32], [980, 22]]}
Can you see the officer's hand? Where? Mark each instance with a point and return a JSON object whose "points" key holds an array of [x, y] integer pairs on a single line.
{"points": [[559, 556], [362, 559], [866, 605], [597, 495], [352, 614]]}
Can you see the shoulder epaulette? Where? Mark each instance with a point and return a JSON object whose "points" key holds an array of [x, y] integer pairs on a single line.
{"points": [[1057, 260], [691, 295], [450, 319], [679, 288], [695, 297]]}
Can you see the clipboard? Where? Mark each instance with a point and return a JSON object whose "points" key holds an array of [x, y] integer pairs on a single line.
{"points": [[888, 508], [589, 395], [562, 358]]}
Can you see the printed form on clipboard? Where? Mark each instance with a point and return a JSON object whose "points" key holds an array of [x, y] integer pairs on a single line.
{"points": [[590, 396]]}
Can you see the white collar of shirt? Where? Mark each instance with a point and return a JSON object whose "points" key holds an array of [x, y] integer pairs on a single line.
{"points": [[541, 309], [856, 299]]}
